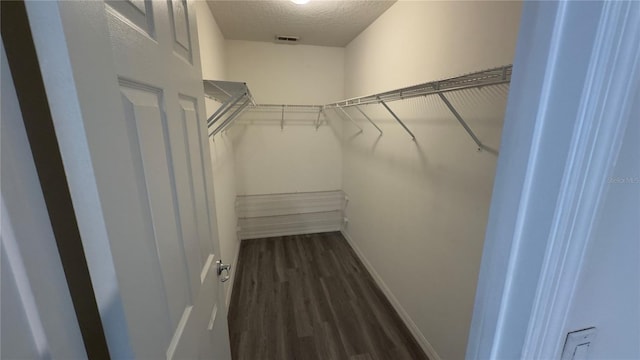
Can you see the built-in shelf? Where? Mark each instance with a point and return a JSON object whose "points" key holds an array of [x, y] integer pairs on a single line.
{"points": [[235, 98], [293, 213]]}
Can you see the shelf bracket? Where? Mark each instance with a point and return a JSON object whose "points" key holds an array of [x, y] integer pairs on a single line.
{"points": [[350, 118], [413, 137], [233, 115], [237, 113], [220, 88], [282, 120], [461, 121], [368, 118], [318, 119], [226, 106]]}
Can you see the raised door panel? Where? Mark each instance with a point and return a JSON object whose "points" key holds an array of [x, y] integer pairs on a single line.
{"points": [[138, 13], [193, 150], [143, 110], [186, 202], [179, 16], [199, 324]]}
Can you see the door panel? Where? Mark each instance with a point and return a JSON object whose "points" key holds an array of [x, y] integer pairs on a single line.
{"points": [[186, 204], [161, 230], [142, 107], [179, 16], [196, 173], [138, 12], [161, 91], [131, 132], [187, 344]]}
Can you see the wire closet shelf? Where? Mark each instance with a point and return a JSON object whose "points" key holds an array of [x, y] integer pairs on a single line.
{"points": [[236, 96]]}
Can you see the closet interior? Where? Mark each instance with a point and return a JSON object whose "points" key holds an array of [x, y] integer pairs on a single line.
{"points": [[390, 141]]}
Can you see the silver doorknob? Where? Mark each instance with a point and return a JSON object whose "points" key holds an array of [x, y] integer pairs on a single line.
{"points": [[223, 267]]}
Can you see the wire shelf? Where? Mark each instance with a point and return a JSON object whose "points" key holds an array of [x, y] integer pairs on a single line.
{"points": [[235, 97]]}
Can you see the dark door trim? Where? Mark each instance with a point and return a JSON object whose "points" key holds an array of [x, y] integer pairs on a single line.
{"points": [[38, 123]]}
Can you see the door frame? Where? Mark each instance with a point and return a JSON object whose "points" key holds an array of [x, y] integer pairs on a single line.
{"points": [[508, 315], [567, 111], [43, 143], [64, 35]]}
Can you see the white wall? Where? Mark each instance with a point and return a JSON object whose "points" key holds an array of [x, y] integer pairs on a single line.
{"points": [[211, 43], [418, 41], [212, 58], [287, 74], [297, 158], [418, 210], [608, 293]]}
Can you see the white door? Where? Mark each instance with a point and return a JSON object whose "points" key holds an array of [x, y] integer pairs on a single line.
{"points": [[147, 153], [35, 302]]}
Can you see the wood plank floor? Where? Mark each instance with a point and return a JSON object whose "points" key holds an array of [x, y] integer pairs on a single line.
{"points": [[309, 297]]}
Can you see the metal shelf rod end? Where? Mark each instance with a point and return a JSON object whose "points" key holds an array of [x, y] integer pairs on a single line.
{"points": [[413, 137], [461, 121], [231, 117], [368, 118], [350, 118]]}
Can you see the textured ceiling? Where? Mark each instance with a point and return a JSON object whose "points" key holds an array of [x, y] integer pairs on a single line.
{"points": [[319, 22]]}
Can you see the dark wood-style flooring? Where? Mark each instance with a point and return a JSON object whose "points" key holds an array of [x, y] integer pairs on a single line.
{"points": [[309, 297]]}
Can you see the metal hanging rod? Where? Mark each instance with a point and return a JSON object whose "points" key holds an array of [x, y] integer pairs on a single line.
{"points": [[223, 109], [231, 117], [313, 108]]}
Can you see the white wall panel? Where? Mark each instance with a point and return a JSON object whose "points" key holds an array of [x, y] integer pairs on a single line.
{"points": [[424, 204], [287, 74], [271, 159]]}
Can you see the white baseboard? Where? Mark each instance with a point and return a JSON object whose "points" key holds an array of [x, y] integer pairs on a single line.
{"points": [[413, 328], [232, 276]]}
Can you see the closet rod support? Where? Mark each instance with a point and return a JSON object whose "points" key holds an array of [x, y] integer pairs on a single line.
{"points": [[242, 109], [350, 118], [368, 118], [282, 120], [231, 117], [461, 121], [318, 119], [226, 106], [413, 137], [219, 88], [228, 121]]}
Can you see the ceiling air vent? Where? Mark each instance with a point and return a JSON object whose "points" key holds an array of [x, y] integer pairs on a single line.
{"points": [[287, 39]]}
